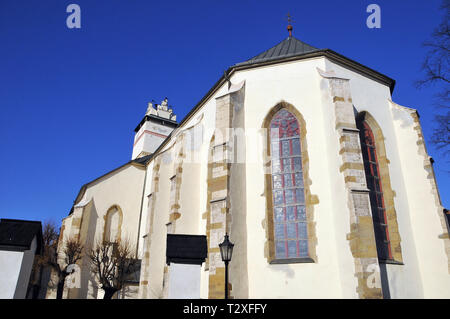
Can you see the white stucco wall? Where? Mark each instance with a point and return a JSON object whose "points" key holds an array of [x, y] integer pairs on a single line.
{"points": [[15, 272], [184, 281], [373, 97], [424, 272], [192, 196], [145, 141], [297, 83], [10, 264], [423, 207], [122, 188]]}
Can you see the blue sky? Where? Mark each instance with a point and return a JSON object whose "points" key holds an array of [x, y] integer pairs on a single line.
{"points": [[70, 98]]}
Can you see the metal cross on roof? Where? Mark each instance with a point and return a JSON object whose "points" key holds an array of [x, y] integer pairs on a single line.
{"points": [[289, 27], [289, 18]]}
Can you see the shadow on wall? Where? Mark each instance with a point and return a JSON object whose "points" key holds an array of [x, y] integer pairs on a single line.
{"points": [[87, 278], [384, 281]]}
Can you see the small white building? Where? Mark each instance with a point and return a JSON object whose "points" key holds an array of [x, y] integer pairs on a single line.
{"points": [[301, 155], [20, 242]]}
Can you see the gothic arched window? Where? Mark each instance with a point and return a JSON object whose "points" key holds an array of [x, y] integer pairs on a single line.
{"points": [[374, 183], [113, 223], [288, 194]]}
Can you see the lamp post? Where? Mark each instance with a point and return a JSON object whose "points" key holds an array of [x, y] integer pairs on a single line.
{"points": [[226, 251]]}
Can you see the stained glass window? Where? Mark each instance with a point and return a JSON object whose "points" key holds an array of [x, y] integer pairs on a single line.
{"points": [[376, 192], [290, 228]]}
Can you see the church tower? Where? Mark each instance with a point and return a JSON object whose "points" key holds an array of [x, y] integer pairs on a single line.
{"points": [[157, 124]]}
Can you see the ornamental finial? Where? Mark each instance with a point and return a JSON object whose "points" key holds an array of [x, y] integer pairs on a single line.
{"points": [[289, 27]]}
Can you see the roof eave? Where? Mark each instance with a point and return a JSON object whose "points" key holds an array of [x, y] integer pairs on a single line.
{"points": [[375, 75], [83, 188], [360, 68], [157, 119], [332, 55]]}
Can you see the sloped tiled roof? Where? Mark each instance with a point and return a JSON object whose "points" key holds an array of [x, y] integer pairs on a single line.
{"points": [[286, 48]]}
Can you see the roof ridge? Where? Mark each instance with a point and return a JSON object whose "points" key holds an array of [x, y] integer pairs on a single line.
{"points": [[265, 51], [286, 47], [19, 220]]}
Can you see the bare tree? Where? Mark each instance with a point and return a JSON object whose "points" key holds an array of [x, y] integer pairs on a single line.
{"points": [[436, 67], [49, 237], [112, 263], [59, 255], [441, 134]]}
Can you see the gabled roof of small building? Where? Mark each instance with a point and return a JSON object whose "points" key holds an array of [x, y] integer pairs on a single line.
{"points": [[186, 249], [286, 48], [18, 234]]}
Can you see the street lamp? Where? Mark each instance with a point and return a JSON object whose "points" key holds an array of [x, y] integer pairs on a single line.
{"points": [[226, 251]]}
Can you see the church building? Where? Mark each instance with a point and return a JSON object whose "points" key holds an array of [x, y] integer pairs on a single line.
{"points": [[322, 182]]}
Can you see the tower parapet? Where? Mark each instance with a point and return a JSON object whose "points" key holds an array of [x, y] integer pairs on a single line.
{"points": [[159, 121]]}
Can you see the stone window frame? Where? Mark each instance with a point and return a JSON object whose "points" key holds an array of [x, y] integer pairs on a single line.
{"points": [[310, 200], [388, 192]]}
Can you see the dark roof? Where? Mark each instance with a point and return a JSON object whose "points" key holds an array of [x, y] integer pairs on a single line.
{"points": [[186, 249], [286, 48], [142, 160], [157, 119], [18, 234]]}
